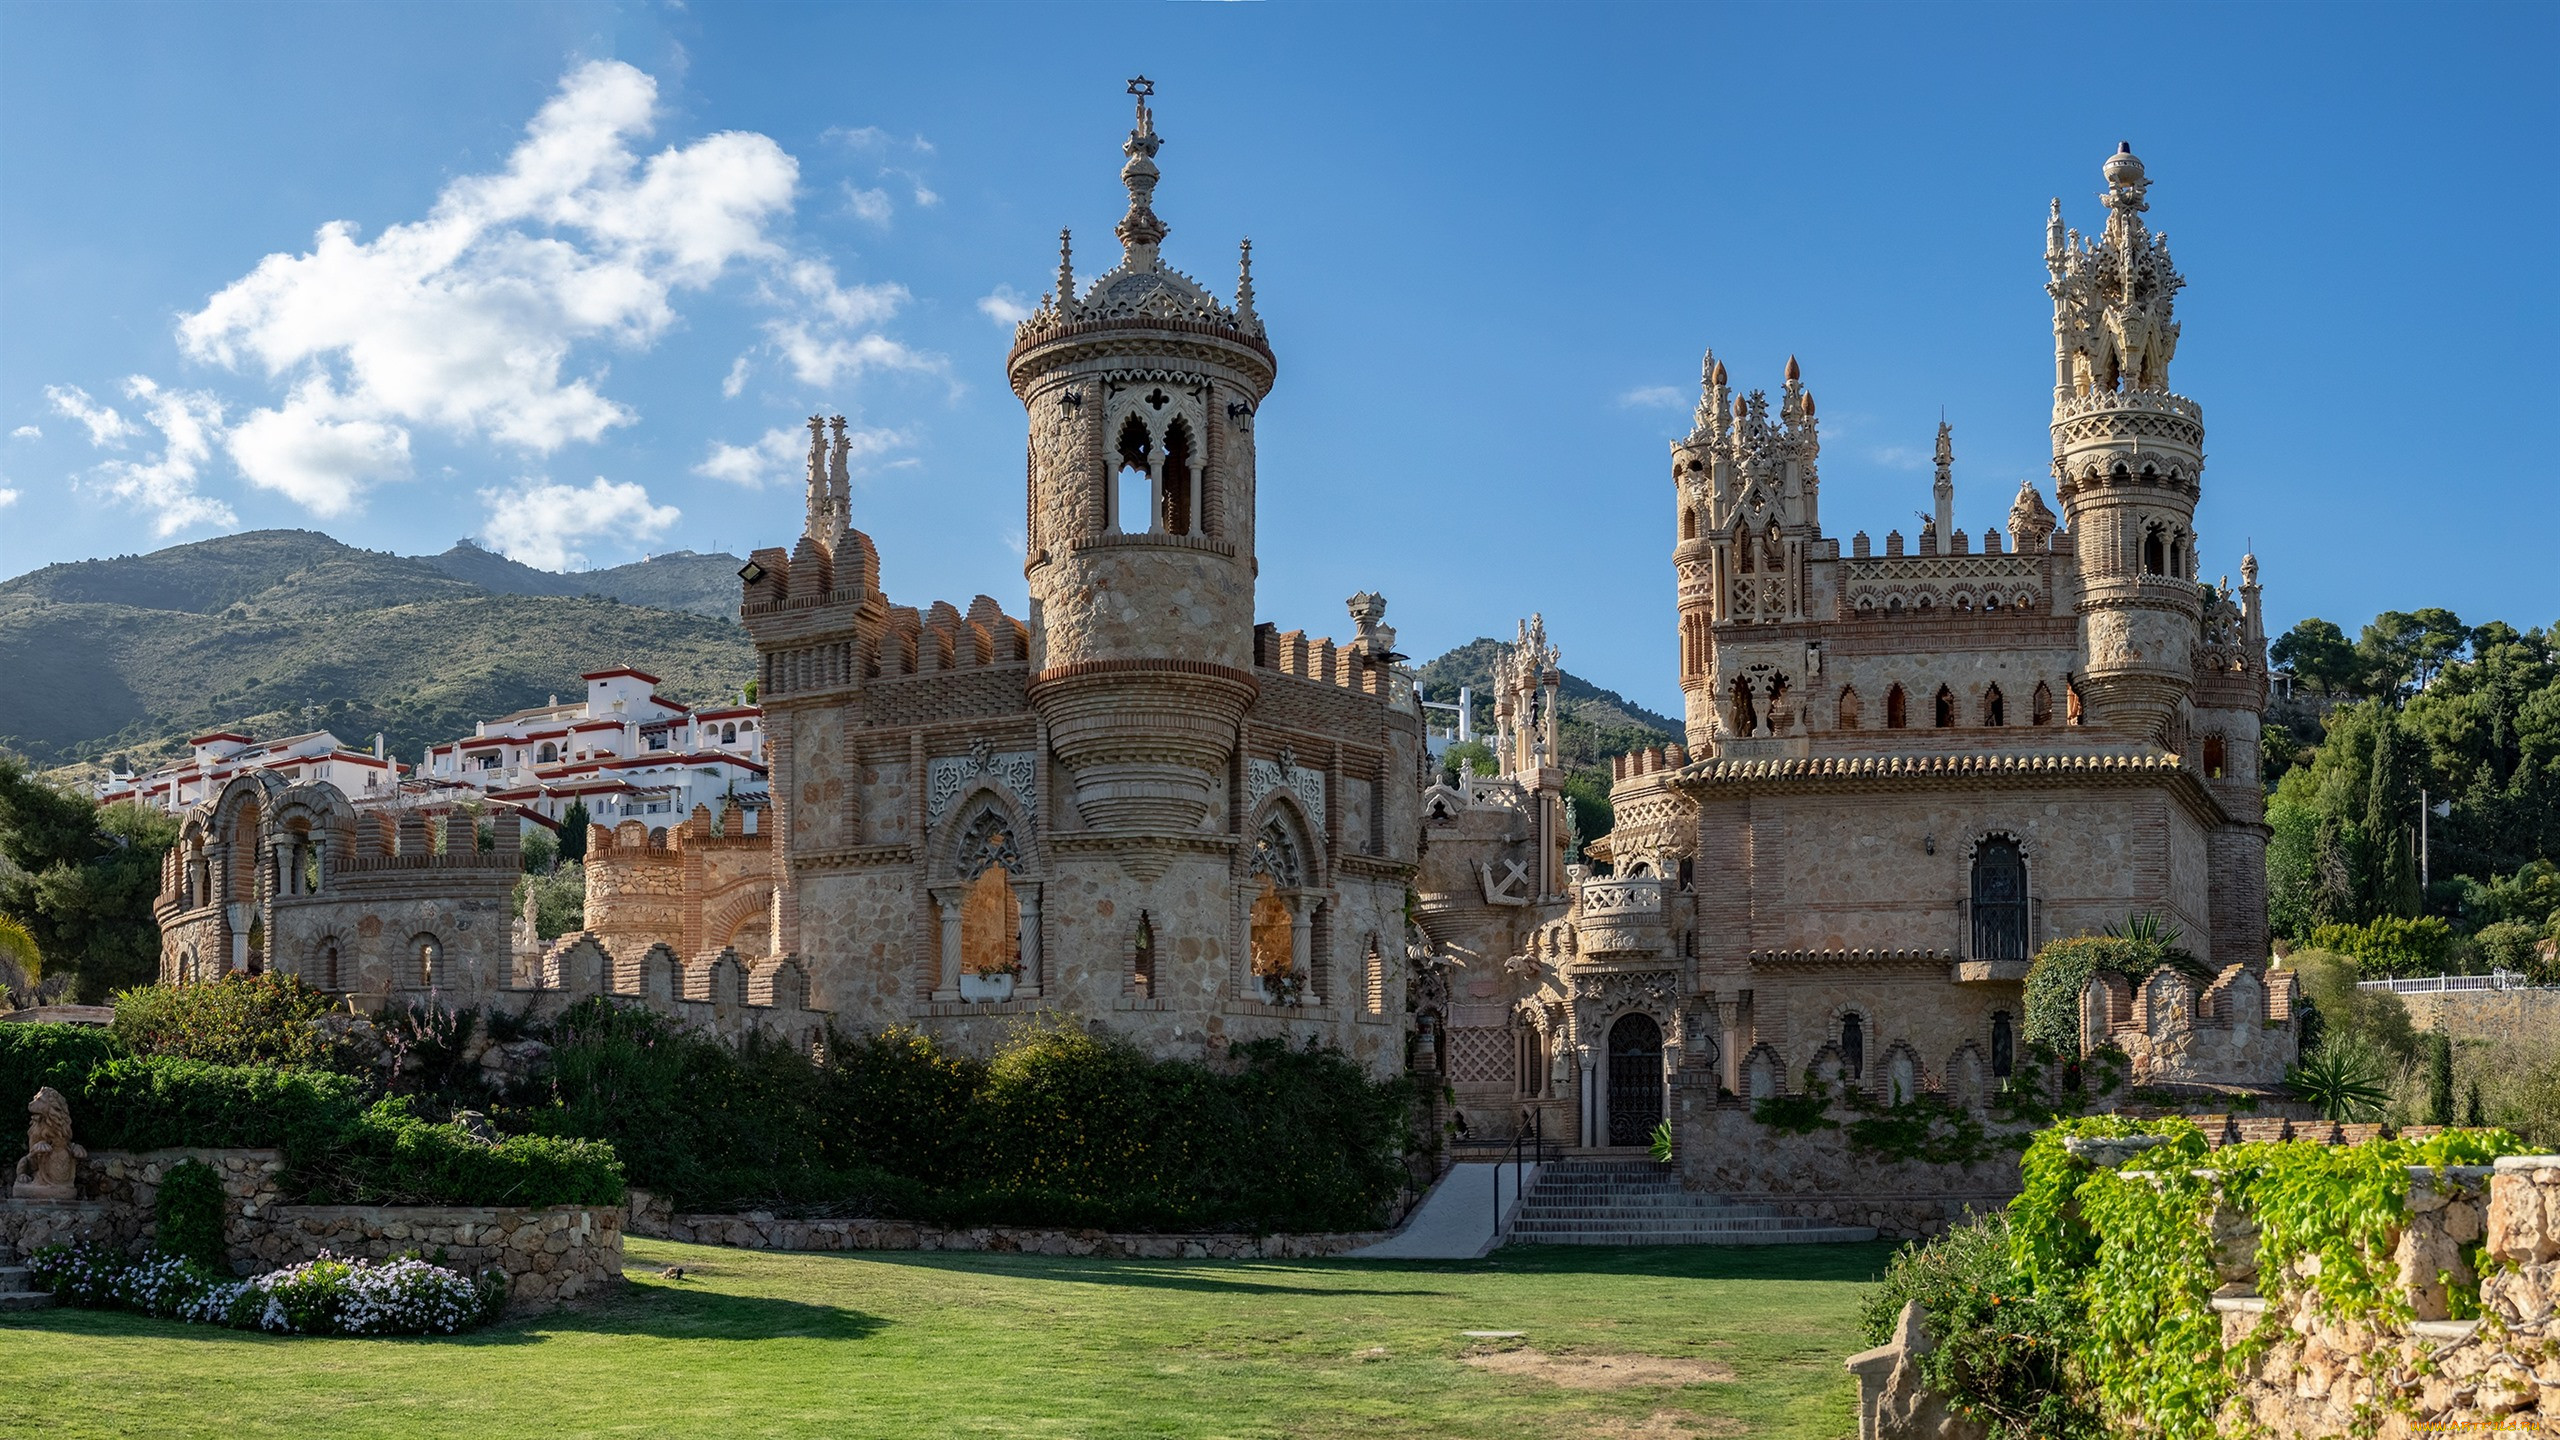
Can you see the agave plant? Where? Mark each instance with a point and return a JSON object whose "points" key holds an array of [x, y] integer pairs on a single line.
{"points": [[1660, 1142], [2344, 1078], [2152, 931]]}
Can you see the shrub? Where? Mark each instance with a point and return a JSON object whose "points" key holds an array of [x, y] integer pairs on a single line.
{"points": [[2376, 1017], [325, 1296], [2513, 945], [389, 1156], [157, 1102], [33, 1056], [190, 1213], [235, 1020], [2063, 968], [2004, 1348], [2391, 947]]}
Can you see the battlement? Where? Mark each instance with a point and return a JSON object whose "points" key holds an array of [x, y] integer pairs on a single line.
{"points": [[2240, 1030], [1652, 760]]}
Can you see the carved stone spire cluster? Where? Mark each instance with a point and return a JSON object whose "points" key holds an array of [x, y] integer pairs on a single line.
{"points": [[1141, 288], [830, 497], [2114, 296]]}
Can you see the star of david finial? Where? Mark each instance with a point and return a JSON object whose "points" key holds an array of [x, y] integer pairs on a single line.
{"points": [[1142, 87]]}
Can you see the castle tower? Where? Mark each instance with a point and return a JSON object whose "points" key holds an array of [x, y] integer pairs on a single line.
{"points": [[1142, 393], [2127, 456], [1748, 491]]}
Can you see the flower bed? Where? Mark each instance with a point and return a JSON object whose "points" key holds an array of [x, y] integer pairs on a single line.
{"points": [[329, 1295]]}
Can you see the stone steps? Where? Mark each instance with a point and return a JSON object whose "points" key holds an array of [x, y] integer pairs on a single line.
{"points": [[1634, 1201], [17, 1294]]}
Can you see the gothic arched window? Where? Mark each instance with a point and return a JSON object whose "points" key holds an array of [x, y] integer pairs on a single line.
{"points": [[1746, 718], [1999, 900], [1132, 497], [2044, 704], [1848, 707], [1894, 709], [1853, 1045], [2155, 553], [426, 962], [988, 842], [2004, 1045], [1995, 707], [1276, 854], [1946, 708]]}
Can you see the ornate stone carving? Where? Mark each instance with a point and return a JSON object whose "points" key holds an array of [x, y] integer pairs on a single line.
{"points": [[1305, 785], [988, 842], [948, 779], [50, 1168], [1612, 991]]}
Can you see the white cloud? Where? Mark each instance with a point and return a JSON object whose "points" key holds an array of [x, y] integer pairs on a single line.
{"points": [[465, 321], [8, 497], [868, 138], [870, 206], [1900, 457], [736, 379], [105, 426], [1655, 397], [26, 432], [189, 421], [541, 523], [1005, 307], [782, 454]]}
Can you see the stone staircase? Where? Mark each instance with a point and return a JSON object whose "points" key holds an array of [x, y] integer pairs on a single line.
{"points": [[1596, 1200], [17, 1294]]}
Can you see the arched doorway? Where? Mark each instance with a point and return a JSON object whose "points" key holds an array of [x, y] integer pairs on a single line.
{"points": [[1635, 1079]]}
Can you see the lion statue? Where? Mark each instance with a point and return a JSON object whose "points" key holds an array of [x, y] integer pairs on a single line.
{"points": [[48, 1169]]}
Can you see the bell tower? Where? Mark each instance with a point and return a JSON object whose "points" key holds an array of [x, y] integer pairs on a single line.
{"points": [[1142, 392], [2127, 459]]}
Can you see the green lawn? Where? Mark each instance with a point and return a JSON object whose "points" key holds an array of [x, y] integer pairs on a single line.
{"points": [[758, 1344]]}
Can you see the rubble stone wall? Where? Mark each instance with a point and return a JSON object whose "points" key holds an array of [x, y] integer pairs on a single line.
{"points": [[761, 1231]]}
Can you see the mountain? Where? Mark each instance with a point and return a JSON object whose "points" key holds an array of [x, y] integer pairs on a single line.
{"points": [[279, 631], [1596, 723], [678, 580]]}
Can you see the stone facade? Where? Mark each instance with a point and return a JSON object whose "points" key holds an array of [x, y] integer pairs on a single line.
{"points": [[1132, 804], [1906, 768], [1820, 1176]]}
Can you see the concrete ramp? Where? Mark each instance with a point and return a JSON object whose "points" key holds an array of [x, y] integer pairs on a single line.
{"points": [[1456, 1220]]}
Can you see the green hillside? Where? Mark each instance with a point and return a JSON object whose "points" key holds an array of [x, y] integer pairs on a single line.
{"points": [[678, 580], [1597, 723], [275, 632]]}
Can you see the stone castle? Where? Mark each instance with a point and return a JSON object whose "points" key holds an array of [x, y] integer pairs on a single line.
{"points": [[1905, 768]]}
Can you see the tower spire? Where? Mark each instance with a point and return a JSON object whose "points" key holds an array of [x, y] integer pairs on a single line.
{"points": [[819, 498], [1066, 269], [1944, 491], [1140, 231], [1244, 282]]}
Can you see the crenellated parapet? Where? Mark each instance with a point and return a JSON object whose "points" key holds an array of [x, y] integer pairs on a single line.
{"points": [[2240, 1030]]}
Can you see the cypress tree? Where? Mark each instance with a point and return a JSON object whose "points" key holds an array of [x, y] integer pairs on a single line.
{"points": [[573, 832], [2439, 1078], [2390, 806]]}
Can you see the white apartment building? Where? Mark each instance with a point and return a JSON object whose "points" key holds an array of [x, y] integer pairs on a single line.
{"points": [[213, 759], [624, 751]]}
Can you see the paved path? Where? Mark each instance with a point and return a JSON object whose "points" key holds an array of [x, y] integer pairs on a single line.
{"points": [[1454, 1221]]}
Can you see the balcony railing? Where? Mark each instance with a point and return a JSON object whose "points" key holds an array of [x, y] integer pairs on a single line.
{"points": [[1614, 897]]}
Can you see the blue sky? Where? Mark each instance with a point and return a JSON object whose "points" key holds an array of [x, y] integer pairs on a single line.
{"points": [[554, 276]]}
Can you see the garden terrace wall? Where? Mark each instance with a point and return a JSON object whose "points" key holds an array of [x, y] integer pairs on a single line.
{"points": [[550, 1257], [2434, 1375], [1819, 1175]]}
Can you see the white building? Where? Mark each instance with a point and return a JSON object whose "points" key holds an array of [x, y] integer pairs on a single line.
{"points": [[213, 759], [624, 751]]}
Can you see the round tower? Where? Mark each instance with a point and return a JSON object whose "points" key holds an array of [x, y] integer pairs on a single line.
{"points": [[1693, 467], [1142, 392], [2127, 459]]}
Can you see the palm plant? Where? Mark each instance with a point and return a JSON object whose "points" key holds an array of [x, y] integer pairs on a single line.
{"points": [[2153, 932], [18, 951], [2343, 1078]]}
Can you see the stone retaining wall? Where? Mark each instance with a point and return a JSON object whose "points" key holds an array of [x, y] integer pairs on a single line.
{"points": [[761, 1231], [1820, 1176], [2484, 1014], [550, 1257]]}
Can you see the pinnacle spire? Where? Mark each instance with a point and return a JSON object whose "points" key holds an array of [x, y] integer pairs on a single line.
{"points": [[1140, 231], [1066, 269], [1244, 281]]}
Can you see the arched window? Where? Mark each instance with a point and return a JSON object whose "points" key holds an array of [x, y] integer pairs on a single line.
{"points": [[1177, 478], [1995, 707], [1530, 1063], [324, 966], [426, 962], [1999, 900], [729, 734], [2074, 709], [1848, 708], [1142, 955], [1895, 706], [1946, 708], [2044, 704], [1853, 1045], [1746, 717], [2213, 757], [2155, 553], [1275, 954], [550, 754], [1688, 524], [2004, 1045], [1133, 488]]}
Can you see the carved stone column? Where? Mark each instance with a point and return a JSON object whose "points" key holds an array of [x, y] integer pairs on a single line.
{"points": [[947, 901], [1729, 1019], [1029, 896], [1590, 1096]]}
